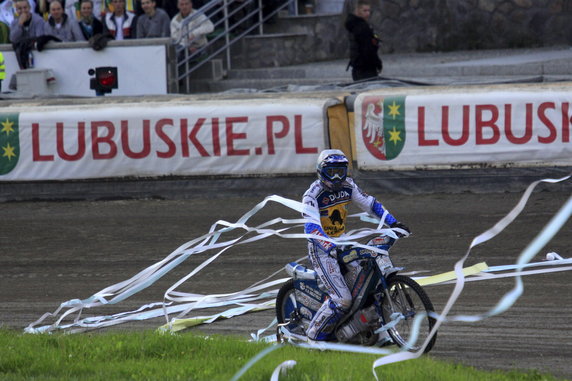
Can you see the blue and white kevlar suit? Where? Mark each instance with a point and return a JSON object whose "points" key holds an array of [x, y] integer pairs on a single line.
{"points": [[332, 209]]}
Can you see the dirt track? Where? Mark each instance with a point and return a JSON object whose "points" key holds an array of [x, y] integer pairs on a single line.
{"points": [[51, 252]]}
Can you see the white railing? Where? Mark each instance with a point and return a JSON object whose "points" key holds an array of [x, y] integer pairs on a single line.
{"points": [[233, 20]]}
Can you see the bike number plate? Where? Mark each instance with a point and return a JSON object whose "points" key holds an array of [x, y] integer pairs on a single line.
{"points": [[384, 262]]}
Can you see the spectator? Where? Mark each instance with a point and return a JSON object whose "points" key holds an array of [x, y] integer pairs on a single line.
{"points": [[192, 35], [88, 23], [154, 23], [72, 8], [7, 11], [60, 25], [120, 23], [27, 25], [364, 43], [130, 6]]}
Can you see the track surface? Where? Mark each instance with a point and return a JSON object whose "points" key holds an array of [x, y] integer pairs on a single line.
{"points": [[51, 252]]}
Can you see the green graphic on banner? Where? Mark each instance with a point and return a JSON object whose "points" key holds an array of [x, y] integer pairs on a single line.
{"points": [[9, 142], [394, 126], [383, 126]]}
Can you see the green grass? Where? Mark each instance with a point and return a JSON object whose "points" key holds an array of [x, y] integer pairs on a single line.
{"points": [[149, 355]]}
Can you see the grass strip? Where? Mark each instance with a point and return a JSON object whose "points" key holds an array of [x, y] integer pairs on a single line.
{"points": [[149, 355]]}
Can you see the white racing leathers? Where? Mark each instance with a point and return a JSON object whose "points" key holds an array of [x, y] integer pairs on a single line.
{"points": [[332, 206]]}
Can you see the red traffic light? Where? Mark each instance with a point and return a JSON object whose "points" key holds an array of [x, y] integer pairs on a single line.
{"points": [[105, 79]]}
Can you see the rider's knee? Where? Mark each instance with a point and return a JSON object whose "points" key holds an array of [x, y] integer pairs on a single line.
{"points": [[341, 304], [346, 304]]}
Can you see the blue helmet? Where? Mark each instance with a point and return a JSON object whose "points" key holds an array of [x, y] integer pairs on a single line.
{"points": [[332, 168]]}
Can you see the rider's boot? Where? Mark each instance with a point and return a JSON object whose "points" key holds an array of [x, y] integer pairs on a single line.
{"points": [[324, 321]]}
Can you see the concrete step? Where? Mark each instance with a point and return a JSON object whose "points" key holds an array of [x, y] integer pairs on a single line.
{"points": [[292, 40], [452, 68], [269, 84], [556, 62]]}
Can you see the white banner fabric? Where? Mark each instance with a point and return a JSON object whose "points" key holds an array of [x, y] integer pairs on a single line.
{"points": [[141, 70], [159, 139], [453, 130]]}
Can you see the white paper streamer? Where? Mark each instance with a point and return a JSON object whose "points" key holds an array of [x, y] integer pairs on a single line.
{"points": [[211, 241], [508, 299], [282, 368]]}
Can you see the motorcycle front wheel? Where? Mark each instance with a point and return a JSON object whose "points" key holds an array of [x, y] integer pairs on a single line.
{"points": [[405, 299]]}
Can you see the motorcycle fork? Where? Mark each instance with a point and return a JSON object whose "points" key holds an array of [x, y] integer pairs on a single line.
{"points": [[386, 294]]}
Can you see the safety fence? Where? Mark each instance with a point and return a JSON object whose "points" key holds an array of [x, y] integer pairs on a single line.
{"points": [[386, 129]]}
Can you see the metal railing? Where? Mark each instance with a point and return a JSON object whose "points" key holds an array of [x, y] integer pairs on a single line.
{"points": [[233, 20]]}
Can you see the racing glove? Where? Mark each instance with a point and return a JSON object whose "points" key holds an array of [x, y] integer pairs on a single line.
{"points": [[401, 226]]}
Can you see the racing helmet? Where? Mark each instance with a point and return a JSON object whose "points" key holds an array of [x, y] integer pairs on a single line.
{"points": [[332, 168]]}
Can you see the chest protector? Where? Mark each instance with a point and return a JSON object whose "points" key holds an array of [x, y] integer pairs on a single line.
{"points": [[333, 211]]}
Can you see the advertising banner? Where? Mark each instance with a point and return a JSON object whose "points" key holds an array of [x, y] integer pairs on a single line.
{"points": [[158, 139], [516, 128]]}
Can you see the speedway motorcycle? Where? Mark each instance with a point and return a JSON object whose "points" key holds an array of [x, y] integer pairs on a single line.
{"points": [[385, 304]]}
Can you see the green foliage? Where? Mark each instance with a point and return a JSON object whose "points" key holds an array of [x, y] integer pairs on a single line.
{"points": [[188, 356]]}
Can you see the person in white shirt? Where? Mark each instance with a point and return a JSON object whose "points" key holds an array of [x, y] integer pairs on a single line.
{"points": [[192, 36], [119, 23]]}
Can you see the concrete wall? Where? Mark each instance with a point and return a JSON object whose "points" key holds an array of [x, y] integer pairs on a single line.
{"points": [[441, 25]]}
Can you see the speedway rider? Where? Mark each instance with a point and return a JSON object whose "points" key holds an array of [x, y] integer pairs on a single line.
{"points": [[329, 197]]}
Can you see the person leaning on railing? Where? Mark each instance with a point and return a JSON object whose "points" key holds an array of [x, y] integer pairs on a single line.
{"points": [[88, 23], [193, 34], [60, 25], [27, 24]]}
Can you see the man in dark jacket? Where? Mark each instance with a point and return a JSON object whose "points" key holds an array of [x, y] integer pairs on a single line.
{"points": [[364, 43]]}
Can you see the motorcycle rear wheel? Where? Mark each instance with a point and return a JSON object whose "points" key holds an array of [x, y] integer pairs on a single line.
{"points": [[287, 308], [408, 300]]}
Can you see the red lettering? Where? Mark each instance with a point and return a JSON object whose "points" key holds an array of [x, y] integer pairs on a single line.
{"points": [[231, 136], [106, 139], [547, 122], [508, 125], [565, 122], [270, 135], [481, 123], [80, 142], [184, 143], [445, 127], [146, 140], [216, 139], [298, 137], [36, 155], [421, 129], [171, 148], [192, 137]]}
